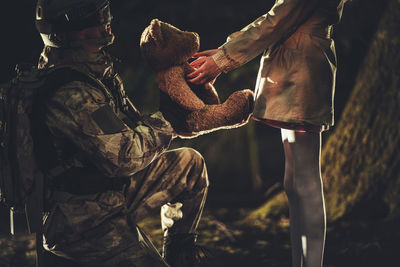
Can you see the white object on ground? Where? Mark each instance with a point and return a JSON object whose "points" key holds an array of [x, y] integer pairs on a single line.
{"points": [[169, 214]]}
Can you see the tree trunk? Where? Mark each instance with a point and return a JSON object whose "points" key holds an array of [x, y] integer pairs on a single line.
{"points": [[254, 156], [361, 160]]}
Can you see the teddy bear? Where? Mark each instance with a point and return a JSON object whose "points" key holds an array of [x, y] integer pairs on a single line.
{"points": [[191, 109]]}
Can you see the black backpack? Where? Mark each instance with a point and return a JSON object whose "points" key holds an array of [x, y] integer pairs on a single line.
{"points": [[21, 180], [20, 177]]}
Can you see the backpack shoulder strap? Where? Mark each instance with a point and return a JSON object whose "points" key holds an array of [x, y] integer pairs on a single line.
{"points": [[57, 77]]}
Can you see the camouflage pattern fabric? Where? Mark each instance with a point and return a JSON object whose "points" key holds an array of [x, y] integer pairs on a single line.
{"points": [[99, 228]]}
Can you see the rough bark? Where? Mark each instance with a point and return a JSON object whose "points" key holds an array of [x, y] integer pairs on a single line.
{"points": [[361, 159], [254, 158]]}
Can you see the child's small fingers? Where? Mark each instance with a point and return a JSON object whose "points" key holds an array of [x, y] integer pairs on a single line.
{"points": [[199, 54], [194, 73], [195, 80], [198, 62]]}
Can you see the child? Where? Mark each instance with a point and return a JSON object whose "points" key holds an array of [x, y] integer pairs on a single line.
{"points": [[294, 92]]}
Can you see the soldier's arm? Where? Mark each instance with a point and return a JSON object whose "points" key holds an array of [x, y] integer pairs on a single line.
{"points": [[83, 115]]}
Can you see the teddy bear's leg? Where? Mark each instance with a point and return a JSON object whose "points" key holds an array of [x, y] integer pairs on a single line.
{"points": [[235, 111], [206, 92]]}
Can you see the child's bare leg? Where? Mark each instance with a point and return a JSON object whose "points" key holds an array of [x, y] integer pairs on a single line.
{"points": [[303, 186]]}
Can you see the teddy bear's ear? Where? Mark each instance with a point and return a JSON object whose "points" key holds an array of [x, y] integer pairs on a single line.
{"points": [[155, 31]]}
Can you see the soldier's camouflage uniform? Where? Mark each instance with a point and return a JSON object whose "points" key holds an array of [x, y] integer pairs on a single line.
{"points": [[113, 175]]}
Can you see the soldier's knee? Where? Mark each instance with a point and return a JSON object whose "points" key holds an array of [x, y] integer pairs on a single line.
{"points": [[198, 165], [190, 155]]}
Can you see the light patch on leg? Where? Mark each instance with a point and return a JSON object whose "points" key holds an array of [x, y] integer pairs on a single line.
{"points": [[304, 245], [288, 135]]}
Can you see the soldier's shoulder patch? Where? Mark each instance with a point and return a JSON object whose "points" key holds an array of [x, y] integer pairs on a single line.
{"points": [[107, 120]]}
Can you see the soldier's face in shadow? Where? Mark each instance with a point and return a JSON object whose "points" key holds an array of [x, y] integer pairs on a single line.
{"points": [[94, 38]]}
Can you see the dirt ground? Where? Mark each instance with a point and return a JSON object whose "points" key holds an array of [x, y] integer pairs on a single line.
{"points": [[355, 243]]}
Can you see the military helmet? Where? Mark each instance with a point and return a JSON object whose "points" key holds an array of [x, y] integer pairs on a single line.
{"points": [[55, 18]]}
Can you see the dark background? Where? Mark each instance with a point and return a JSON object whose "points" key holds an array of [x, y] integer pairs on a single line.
{"points": [[231, 158]]}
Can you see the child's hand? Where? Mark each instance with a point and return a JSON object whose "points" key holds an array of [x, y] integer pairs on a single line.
{"points": [[206, 69]]}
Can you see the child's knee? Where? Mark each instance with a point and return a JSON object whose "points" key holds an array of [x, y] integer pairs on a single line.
{"points": [[288, 185], [303, 189]]}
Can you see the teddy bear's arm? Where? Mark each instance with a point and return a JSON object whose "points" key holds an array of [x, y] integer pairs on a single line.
{"points": [[172, 82], [205, 92]]}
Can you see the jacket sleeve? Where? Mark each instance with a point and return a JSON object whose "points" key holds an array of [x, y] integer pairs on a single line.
{"points": [[263, 33], [87, 119]]}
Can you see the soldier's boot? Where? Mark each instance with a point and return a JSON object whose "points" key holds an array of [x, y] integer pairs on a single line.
{"points": [[180, 250]]}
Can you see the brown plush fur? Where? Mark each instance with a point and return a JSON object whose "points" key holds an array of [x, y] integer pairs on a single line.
{"points": [[191, 109]]}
